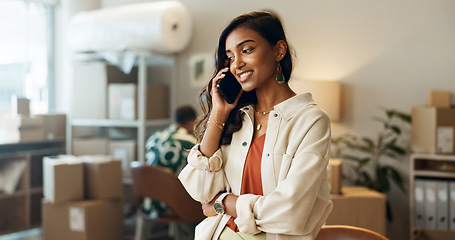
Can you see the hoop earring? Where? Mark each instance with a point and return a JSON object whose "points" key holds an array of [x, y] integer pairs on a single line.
{"points": [[279, 76]]}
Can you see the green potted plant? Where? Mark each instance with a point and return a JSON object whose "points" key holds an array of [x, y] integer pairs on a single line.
{"points": [[368, 154]]}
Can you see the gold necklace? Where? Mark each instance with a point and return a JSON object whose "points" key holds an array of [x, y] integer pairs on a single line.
{"points": [[263, 113], [258, 127]]}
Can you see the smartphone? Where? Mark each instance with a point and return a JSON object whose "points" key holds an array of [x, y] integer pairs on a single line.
{"points": [[229, 87]]}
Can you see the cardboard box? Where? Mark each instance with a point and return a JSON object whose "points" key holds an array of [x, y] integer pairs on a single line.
{"points": [[335, 175], [115, 75], [439, 98], [22, 135], [433, 130], [21, 128], [89, 90], [54, 125], [102, 177], [125, 151], [86, 131], [83, 220], [157, 102], [20, 106], [123, 101], [90, 146], [90, 87], [361, 207], [21, 121], [63, 178]]}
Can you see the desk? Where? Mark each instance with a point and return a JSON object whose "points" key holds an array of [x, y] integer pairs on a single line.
{"points": [[361, 207]]}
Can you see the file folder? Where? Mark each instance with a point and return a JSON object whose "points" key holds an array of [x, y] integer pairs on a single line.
{"points": [[430, 204], [452, 205], [442, 205], [419, 203]]}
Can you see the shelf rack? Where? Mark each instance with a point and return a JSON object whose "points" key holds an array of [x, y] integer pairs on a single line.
{"points": [[145, 59]]}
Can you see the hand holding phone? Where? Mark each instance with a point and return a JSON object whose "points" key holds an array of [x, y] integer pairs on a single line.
{"points": [[229, 87]]}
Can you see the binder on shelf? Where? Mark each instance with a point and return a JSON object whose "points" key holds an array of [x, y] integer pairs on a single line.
{"points": [[419, 203], [430, 204], [452, 205], [442, 205]]}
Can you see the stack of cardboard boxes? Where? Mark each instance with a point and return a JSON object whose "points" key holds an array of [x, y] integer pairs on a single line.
{"points": [[433, 125], [83, 198], [21, 126], [123, 150]]}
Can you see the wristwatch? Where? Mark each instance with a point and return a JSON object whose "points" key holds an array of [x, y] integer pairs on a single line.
{"points": [[218, 206]]}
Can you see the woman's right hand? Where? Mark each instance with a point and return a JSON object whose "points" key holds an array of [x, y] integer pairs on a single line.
{"points": [[220, 106], [218, 116]]}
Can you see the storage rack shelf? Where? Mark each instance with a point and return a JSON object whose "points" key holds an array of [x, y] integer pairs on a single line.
{"points": [[145, 59], [429, 166], [433, 174], [21, 210]]}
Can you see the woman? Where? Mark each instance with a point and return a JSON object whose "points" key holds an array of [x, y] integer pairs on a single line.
{"points": [[259, 169]]}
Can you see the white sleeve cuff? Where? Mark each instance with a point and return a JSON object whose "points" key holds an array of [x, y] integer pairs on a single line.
{"points": [[197, 160], [245, 217]]}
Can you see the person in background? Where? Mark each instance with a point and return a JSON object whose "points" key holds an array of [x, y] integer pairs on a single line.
{"points": [[169, 148], [259, 168]]}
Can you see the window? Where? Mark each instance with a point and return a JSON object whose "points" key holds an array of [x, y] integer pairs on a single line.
{"points": [[26, 53]]}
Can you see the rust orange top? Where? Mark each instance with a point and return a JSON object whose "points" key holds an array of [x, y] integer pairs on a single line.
{"points": [[252, 181]]}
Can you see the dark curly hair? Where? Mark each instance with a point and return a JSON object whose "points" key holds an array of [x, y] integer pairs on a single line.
{"points": [[266, 24]]}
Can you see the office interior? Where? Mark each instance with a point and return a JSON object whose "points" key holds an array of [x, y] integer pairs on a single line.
{"points": [[363, 60]]}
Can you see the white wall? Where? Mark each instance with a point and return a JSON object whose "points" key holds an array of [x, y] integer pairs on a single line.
{"points": [[386, 53]]}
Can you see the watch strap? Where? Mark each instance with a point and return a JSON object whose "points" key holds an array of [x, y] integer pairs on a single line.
{"points": [[221, 197]]}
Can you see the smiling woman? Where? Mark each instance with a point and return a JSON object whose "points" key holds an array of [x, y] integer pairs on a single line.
{"points": [[26, 59], [259, 168]]}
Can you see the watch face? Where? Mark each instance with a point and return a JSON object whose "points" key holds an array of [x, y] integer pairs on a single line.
{"points": [[218, 208]]}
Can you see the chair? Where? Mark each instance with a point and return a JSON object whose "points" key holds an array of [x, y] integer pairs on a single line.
{"points": [[344, 232], [161, 184]]}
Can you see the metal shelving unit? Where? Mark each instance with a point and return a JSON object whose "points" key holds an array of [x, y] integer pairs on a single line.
{"points": [[145, 59], [429, 166]]}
